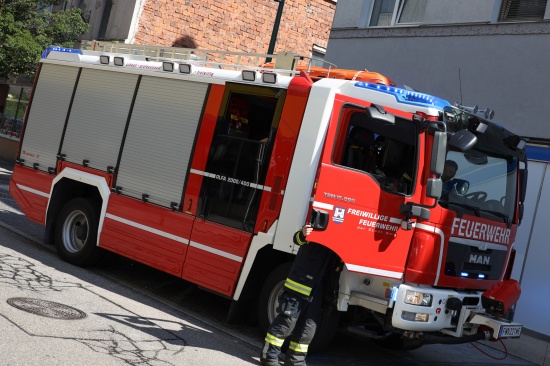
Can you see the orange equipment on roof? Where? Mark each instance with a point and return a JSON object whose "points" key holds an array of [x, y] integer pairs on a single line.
{"points": [[316, 73]]}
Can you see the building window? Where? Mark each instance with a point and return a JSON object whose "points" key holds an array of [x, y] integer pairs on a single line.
{"points": [[318, 56], [391, 12], [522, 10]]}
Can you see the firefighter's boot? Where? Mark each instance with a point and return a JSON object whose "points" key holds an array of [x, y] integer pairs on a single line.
{"points": [[296, 354], [271, 351], [269, 362], [299, 343]]}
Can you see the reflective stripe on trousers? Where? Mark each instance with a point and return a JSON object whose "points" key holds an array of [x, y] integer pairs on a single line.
{"points": [[298, 287], [271, 339]]}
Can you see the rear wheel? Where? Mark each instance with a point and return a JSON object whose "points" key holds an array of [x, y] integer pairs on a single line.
{"points": [[269, 302], [76, 233]]}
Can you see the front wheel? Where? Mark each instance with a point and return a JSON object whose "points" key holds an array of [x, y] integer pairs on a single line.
{"points": [[396, 341], [270, 293], [76, 233], [268, 303]]}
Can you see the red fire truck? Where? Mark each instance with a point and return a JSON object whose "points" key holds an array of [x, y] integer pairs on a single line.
{"points": [[205, 172]]}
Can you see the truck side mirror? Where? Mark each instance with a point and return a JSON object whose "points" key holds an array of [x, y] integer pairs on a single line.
{"points": [[439, 152], [434, 188], [522, 191], [522, 184], [319, 219], [378, 113], [462, 140]]}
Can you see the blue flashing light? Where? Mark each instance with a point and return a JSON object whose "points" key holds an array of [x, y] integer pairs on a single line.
{"points": [[481, 276], [59, 49], [463, 274], [406, 96]]}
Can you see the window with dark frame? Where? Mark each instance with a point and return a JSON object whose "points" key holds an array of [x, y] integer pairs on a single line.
{"points": [[522, 10], [318, 56], [397, 12], [388, 153]]}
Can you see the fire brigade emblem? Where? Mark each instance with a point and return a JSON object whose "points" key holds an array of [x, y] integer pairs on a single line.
{"points": [[339, 213]]}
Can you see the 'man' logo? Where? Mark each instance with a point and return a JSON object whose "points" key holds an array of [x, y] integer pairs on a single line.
{"points": [[479, 259]]}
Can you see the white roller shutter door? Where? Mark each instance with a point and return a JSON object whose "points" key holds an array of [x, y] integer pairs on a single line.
{"points": [[98, 117], [47, 115], [160, 137]]}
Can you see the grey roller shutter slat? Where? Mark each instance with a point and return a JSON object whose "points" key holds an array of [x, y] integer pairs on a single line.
{"points": [[98, 117], [160, 137], [47, 115]]}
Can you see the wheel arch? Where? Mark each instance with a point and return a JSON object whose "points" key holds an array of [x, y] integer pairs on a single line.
{"points": [[71, 183], [261, 259]]}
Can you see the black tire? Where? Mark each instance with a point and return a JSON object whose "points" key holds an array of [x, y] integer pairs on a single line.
{"points": [[269, 295], [396, 342], [326, 329], [268, 302], [76, 233]]}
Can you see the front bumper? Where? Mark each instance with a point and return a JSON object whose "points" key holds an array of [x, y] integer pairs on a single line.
{"points": [[439, 318]]}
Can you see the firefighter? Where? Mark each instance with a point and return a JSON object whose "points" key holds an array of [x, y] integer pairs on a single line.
{"points": [[300, 304], [449, 172]]}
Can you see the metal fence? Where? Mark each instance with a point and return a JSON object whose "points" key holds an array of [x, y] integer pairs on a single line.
{"points": [[11, 117]]}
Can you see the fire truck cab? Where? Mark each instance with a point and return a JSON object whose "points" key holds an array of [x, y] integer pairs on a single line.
{"points": [[205, 172]]}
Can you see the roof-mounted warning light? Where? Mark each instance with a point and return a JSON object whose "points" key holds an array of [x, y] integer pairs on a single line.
{"points": [[407, 96], [59, 49]]}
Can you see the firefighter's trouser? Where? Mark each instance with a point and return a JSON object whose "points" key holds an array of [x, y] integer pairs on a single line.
{"points": [[297, 318]]}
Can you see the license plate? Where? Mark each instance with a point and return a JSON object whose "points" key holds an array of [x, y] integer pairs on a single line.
{"points": [[509, 331]]}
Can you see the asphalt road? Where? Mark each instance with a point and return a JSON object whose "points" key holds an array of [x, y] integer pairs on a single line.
{"points": [[136, 315]]}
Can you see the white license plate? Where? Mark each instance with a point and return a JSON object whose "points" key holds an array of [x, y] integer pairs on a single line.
{"points": [[509, 331]]}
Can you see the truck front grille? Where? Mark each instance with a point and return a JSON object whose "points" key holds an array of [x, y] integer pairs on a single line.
{"points": [[469, 261]]}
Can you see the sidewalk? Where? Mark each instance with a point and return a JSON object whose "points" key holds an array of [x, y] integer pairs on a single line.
{"points": [[52, 313], [6, 169]]}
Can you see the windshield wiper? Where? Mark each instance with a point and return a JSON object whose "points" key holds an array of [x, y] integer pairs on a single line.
{"points": [[465, 205], [499, 214]]}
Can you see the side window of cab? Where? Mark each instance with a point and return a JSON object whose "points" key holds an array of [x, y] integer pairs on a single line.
{"points": [[388, 153]]}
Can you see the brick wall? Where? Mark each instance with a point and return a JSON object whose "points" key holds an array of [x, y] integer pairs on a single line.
{"points": [[236, 25]]}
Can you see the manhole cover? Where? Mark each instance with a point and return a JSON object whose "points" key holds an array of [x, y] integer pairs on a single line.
{"points": [[46, 308]]}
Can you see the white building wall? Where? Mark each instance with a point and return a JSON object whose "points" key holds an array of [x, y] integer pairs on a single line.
{"points": [[533, 250]]}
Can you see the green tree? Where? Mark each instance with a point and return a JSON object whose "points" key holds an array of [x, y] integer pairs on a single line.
{"points": [[27, 27]]}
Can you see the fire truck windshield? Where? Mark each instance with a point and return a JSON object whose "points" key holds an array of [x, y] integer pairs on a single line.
{"points": [[482, 181], [482, 185]]}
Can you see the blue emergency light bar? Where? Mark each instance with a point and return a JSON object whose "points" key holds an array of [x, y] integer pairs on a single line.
{"points": [[59, 49], [406, 96]]}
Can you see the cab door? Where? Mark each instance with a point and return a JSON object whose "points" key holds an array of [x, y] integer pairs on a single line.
{"points": [[369, 167]]}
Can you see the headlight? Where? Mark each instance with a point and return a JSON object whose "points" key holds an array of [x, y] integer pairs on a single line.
{"points": [[415, 317], [418, 298]]}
